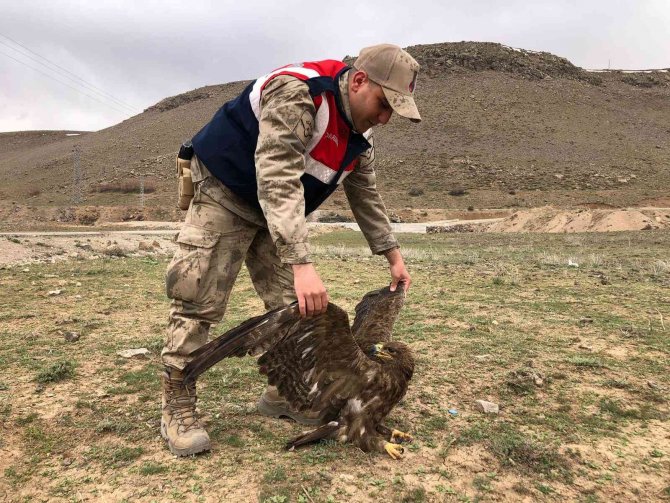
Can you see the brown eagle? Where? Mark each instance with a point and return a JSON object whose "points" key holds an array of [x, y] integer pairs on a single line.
{"points": [[357, 375]]}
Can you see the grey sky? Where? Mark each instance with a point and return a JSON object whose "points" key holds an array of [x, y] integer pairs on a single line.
{"points": [[143, 51]]}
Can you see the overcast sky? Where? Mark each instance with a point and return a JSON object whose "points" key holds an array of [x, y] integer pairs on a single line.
{"points": [[142, 51]]}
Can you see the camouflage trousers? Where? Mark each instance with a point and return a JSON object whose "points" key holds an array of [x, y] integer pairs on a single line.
{"points": [[214, 242]]}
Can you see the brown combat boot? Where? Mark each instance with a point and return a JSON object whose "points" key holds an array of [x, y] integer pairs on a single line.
{"points": [[179, 424], [273, 404]]}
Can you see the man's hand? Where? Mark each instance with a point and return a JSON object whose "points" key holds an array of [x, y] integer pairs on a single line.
{"points": [[398, 270], [312, 295]]}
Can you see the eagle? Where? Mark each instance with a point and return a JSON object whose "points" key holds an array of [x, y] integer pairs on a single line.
{"points": [[357, 373]]}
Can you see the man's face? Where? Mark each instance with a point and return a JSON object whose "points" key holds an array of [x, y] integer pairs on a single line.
{"points": [[368, 103]]}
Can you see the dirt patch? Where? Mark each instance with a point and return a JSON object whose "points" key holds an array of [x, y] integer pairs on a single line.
{"points": [[23, 250], [550, 219]]}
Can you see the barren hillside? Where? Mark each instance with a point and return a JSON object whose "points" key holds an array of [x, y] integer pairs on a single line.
{"points": [[502, 127]]}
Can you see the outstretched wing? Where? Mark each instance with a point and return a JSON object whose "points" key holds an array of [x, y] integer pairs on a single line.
{"points": [[317, 365], [251, 337], [314, 362], [376, 314]]}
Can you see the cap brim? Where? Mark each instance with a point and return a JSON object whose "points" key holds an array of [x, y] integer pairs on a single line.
{"points": [[403, 104]]}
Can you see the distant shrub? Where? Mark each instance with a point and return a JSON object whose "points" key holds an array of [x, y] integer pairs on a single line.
{"points": [[114, 251], [457, 192], [125, 187], [88, 217]]}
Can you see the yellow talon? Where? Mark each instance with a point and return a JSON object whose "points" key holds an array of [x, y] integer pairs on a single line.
{"points": [[394, 450], [401, 437]]}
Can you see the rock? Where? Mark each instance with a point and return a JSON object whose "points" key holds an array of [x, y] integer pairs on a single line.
{"points": [[134, 353], [585, 321], [487, 407], [53, 293], [524, 380], [71, 336], [394, 217], [457, 228]]}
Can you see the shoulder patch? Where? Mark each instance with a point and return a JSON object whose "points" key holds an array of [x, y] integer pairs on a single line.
{"points": [[304, 128], [368, 157]]}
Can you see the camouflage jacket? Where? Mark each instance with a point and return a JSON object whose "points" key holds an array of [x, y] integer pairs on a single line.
{"points": [[287, 116]]}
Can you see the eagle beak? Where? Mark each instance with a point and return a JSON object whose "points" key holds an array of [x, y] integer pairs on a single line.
{"points": [[378, 351]]}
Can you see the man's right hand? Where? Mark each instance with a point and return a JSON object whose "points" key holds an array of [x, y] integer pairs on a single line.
{"points": [[312, 295]]}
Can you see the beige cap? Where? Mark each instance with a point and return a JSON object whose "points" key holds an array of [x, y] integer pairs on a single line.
{"points": [[396, 71]]}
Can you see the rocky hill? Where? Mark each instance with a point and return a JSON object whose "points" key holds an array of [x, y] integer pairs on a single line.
{"points": [[502, 128]]}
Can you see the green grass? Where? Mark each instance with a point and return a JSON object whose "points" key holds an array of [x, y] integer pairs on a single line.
{"points": [[82, 421], [57, 371]]}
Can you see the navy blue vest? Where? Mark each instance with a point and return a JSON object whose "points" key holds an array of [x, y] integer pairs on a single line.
{"points": [[227, 144]]}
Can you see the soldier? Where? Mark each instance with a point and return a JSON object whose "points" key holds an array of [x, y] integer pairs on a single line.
{"points": [[266, 160]]}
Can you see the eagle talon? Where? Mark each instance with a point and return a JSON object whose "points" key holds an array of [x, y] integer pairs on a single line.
{"points": [[394, 450], [400, 437]]}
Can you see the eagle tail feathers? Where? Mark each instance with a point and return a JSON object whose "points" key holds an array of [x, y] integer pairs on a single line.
{"points": [[326, 431]]}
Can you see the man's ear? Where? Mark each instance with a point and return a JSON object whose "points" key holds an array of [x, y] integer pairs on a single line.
{"points": [[358, 79]]}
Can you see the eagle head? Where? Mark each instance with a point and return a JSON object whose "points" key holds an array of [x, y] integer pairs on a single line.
{"points": [[394, 354]]}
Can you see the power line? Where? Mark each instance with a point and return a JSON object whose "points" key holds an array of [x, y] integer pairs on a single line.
{"points": [[65, 84], [65, 72], [99, 93]]}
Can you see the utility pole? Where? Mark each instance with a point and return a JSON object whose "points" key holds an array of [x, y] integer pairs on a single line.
{"points": [[76, 176]]}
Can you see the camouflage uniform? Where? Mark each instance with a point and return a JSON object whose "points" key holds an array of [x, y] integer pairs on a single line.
{"points": [[221, 230]]}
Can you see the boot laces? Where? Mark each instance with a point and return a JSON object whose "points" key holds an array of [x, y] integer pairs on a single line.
{"points": [[181, 402]]}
